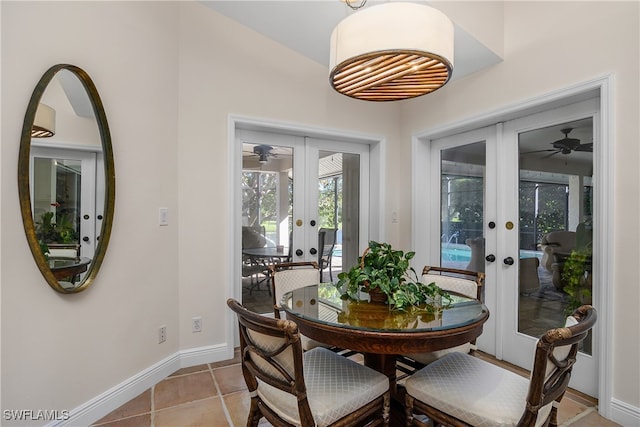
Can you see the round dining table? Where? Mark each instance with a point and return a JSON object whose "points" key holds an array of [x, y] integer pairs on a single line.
{"points": [[379, 333]]}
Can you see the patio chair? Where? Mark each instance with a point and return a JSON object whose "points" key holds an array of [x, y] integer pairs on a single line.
{"points": [[326, 244], [253, 268], [464, 282], [463, 390], [314, 388]]}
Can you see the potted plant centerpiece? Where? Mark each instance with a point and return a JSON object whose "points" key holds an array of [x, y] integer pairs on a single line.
{"points": [[386, 275]]}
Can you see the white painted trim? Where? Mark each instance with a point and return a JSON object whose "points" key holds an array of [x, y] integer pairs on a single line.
{"points": [[66, 146], [103, 404], [624, 414], [603, 86]]}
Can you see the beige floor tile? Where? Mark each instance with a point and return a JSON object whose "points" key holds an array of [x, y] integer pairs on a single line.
{"points": [[569, 409], [238, 405], [230, 379], [201, 413], [138, 421], [592, 419], [137, 406], [190, 370], [177, 390]]}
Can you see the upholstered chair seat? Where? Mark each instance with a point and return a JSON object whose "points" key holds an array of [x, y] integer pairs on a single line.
{"points": [[462, 390], [336, 386], [472, 390]]}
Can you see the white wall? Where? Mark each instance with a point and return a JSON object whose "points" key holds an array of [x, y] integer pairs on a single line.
{"points": [[228, 69], [551, 46], [59, 351], [169, 74]]}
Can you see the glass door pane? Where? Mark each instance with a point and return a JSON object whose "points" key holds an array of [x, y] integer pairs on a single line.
{"points": [[462, 186], [267, 206], [556, 206], [338, 211]]}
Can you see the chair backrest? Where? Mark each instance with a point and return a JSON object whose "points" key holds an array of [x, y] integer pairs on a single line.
{"points": [[288, 276], [465, 282], [553, 361], [253, 236], [271, 352], [326, 243]]}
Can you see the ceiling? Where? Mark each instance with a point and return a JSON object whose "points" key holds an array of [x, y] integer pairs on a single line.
{"points": [[306, 26]]}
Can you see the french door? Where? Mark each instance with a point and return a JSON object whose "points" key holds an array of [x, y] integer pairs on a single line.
{"points": [[64, 199], [305, 196], [507, 195]]}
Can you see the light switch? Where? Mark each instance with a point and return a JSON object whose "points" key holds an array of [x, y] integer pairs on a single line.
{"points": [[163, 216]]}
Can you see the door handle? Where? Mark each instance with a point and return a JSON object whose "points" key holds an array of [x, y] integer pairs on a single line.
{"points": [[85, 239], [508, 260], [299, 252], [313, 251], [490, 257]]}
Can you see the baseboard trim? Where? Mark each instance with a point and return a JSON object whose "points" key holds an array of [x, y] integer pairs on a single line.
{"points": [[624, 414], [101, 405]]}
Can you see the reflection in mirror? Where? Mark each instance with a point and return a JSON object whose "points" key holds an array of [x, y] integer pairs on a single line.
{"points": [[66, 179]]}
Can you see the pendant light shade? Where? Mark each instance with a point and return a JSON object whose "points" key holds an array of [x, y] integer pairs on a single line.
{"points": [[44, 124], [392, 51]]}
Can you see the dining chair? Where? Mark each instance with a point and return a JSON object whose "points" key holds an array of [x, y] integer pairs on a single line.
{"points": [[464, 282], [288, 276], [463, 390], [290, 387]]}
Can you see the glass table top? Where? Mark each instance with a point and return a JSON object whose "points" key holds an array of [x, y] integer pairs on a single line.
{"points": [[322, 304]]}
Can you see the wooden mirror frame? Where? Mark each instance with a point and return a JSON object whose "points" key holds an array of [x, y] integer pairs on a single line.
{"points": [[24, 174]]}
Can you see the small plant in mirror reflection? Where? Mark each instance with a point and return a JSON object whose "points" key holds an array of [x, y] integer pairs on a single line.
{"points": [[59, 231], [44, 248]]}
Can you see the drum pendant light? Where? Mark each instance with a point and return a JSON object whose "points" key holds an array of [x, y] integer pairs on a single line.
{"points": [[44, 124], [392, 51]]}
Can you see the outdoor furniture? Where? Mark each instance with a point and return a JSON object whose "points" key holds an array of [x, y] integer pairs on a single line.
{"points": [[463, 390], [556, 247], [326, 244], [314, 388], [528, 280]]}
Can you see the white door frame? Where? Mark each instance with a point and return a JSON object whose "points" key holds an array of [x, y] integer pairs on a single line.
{"points": [[377, 150], [603, 207], [92, 193]]}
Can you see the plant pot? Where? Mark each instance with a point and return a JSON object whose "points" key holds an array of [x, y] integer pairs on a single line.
{"points": [[376, 295]]}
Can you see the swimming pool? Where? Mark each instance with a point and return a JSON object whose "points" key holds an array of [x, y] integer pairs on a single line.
{"points": [[457, 252]]}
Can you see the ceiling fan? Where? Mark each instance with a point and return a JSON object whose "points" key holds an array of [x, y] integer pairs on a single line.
{"points": [[264, 152], [566, 145]]}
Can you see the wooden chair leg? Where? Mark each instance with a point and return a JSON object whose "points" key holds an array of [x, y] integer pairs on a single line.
{"points": [[254, 413], [386, 410]]}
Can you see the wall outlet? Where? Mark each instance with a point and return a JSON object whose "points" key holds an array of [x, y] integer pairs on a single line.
{"points": [[196, 324], [162, 334]]}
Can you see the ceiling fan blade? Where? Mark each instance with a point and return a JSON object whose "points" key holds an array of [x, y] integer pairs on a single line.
{"points": [[539, 151], [588, 147], [552, 154]]}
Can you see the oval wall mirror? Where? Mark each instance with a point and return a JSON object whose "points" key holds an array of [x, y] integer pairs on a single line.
{"points": [[66, 179]]}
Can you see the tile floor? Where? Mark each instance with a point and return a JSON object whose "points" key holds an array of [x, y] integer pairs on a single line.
{"points": [[215, 395]]}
